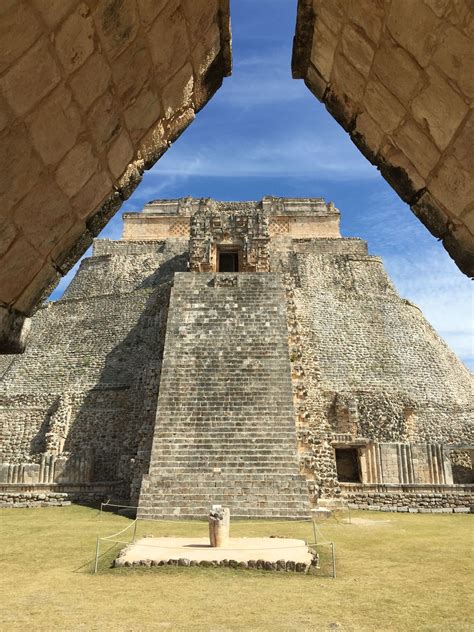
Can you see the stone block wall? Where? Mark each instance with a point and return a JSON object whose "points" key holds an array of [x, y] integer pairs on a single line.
{"points": [[398, 77], [118, 267], [320, 349], [430, 499], [366, 363], [92, 93]]}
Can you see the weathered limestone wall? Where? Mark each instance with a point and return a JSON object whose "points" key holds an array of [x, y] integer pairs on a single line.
{"points": [[398, 77], [434, 499], [295, 217], [92, 93], [366, 363], [321, 341], [118, 267]]}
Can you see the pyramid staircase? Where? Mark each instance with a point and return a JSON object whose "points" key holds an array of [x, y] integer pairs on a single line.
{"points": [[225, 429]]}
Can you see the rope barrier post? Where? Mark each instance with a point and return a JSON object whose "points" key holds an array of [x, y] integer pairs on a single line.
{"points": [[97, 546], [135, 530], [333, 546], [314, 531]]}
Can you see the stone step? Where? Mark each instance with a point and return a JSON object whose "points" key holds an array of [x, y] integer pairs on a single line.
{"points": [[250, 478], [204, 502], [226, 461], [250, 512], [208, 435], [243, 494], [216, 412], [224, 450], [229, 436], [214, 443], [285, 429], [224, 465], [284, 460], [172, 471], [207, 501]]}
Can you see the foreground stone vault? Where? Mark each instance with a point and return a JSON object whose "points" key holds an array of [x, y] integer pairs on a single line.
{"points": [[241, 353], [92, 93]]}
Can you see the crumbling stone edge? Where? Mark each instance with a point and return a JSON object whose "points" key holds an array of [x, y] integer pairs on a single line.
{"points": [[152, 147], [262, 565]]}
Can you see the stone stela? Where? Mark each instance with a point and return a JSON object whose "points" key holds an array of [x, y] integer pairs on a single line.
{"points": [[219, 526], [240, 354]]}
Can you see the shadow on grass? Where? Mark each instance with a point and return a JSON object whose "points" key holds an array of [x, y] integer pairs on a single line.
{"points": [[106, 555]]}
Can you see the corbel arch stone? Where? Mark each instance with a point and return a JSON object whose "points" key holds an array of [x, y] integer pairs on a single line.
{"points": [[397, 76], [92, 93]]}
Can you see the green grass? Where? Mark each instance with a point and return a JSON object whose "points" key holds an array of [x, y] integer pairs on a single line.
{"points": [[413, 572]]}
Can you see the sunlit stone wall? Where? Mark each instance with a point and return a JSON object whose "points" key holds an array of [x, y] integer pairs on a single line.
{"points": [[92, 93], [398, 76]]}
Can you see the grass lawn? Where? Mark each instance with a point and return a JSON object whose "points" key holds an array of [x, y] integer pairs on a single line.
{"points": [[395, 572]]}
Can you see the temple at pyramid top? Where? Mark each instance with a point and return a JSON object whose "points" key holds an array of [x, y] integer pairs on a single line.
{"points": [[309, 218]]}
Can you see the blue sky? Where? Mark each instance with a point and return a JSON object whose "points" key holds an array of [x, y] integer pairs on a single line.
{"points": [[264, 133]]}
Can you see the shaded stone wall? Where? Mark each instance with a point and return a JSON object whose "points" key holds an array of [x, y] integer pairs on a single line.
{"points": [[92, 93], [398, 77], [88, 382]]}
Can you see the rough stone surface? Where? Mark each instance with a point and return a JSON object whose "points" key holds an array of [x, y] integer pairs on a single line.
{"points": [[92, 92], [237, 553], [225, 389], [242, 384], [398, 77]]}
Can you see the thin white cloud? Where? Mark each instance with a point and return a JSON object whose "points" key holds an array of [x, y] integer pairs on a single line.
{"points": [[421, 270], [262, 80], [445, 296], [291, 155]]}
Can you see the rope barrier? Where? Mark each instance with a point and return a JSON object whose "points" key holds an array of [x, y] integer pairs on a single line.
{"points": [[319, 539], [119, 532]]}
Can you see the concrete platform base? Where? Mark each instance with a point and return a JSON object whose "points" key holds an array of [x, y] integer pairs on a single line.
{"points": [[278, 554]]}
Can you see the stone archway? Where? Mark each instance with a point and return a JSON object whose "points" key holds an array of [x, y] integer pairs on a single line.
{"points": [[93, 92]]}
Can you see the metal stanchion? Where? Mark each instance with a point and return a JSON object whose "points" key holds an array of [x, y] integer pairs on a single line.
{"points": [[333, 546], [96, 555]]}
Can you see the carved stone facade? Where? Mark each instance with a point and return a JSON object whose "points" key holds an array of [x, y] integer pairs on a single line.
{"points": [[217, 227], [298, 373]]}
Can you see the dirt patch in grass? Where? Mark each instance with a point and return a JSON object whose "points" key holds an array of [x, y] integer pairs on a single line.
{"points": [[415, 575]]}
